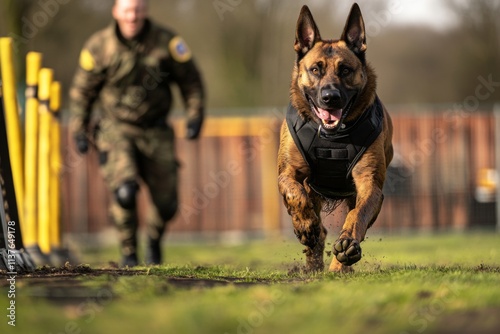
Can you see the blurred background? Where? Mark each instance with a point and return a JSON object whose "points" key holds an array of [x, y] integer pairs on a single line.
{"points": [[438, 74], [245, 50]]}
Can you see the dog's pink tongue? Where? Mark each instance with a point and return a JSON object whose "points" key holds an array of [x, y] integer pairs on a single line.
{"points": [[330, 115]]}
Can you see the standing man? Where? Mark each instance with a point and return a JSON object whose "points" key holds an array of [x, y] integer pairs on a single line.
{"points": [[130, 66]]}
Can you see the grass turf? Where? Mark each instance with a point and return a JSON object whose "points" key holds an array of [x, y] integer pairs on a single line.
{"points": [[447, 283]]}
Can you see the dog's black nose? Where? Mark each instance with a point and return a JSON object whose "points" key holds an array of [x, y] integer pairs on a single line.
{"points": [[330, 97]]}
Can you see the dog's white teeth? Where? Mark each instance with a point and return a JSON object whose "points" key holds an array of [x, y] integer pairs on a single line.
{"points": [[329, 125]]}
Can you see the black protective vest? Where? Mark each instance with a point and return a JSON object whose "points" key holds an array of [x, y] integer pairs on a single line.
{"points": [[332, 158]]}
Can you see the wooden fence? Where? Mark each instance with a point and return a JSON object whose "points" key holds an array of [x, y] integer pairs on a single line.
{"points": [[228, 177]]}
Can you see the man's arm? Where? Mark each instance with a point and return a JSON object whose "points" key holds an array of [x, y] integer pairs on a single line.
{"points": [[87, 83], [188, 77]]}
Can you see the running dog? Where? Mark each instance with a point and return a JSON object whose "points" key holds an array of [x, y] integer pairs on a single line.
{"points": [[336, 141]]}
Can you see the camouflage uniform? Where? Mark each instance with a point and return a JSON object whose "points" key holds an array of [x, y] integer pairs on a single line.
{"points": [[132, 78]]}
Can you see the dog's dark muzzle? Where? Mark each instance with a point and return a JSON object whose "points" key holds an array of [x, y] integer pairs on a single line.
{"points": [[331, 98]]}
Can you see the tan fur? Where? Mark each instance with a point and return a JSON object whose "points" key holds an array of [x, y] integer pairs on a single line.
{"points": [[302, 203]]}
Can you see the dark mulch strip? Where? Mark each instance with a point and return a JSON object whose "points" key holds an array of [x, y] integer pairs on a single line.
{"points": [[67, 277]]}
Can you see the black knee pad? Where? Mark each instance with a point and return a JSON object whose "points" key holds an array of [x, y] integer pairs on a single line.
{"points": [[168, 212], [126, 194]]}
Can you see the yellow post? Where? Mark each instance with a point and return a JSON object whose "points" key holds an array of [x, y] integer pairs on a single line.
{"points": [[30, 233], [14, 138], [55, 166], [270, 195], [45, 81]]}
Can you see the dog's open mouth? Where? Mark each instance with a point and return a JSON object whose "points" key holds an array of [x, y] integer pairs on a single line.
{"points": [[330, 118]]}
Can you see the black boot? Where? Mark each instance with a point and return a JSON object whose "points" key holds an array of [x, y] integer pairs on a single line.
{"points": [[129, 260], [153, 252]]}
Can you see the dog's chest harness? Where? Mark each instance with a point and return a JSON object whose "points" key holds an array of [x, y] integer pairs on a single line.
{"points": [[332, 158]]}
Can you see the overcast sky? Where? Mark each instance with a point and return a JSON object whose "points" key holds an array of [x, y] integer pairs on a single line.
{"points": [[434, 13], [430, 12]]}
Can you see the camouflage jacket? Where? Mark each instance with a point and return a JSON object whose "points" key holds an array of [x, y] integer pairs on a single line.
{"points": [[132, 78]]}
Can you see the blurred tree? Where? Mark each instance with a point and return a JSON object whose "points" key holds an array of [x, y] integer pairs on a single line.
{"points": [[13, 13], [478, 42], [245, 48]]}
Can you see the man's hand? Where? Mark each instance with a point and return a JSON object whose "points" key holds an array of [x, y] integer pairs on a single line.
{"points": [[194, 128], [82, 142]]}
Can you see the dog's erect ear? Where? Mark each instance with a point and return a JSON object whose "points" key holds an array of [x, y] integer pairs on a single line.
{"points": [[354, 32], [307, 33]]}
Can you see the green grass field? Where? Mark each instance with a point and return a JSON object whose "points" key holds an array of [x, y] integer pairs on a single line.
{"points": [[446, 283]]}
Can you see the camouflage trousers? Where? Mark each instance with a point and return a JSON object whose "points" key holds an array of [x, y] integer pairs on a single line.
{"points": [[147, 156]]}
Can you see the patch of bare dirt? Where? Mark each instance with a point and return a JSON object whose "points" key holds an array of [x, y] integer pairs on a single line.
{"points": [[69, 271], [66, 277]]}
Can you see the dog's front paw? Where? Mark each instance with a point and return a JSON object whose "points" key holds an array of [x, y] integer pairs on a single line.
{"points": [[347, 251]]}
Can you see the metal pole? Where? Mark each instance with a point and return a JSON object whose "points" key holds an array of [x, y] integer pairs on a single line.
{"points": [[12, 122], [14, 250]]}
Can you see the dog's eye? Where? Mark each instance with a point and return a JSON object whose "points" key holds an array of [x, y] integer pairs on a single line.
{"points": [[314, 70], [345, 71]]}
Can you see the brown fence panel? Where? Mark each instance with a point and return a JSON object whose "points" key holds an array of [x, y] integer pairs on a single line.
{"points": [[432, 180]]}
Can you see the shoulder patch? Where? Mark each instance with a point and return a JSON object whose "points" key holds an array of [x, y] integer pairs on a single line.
{"points": [[179, 50], [87, 61]]}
